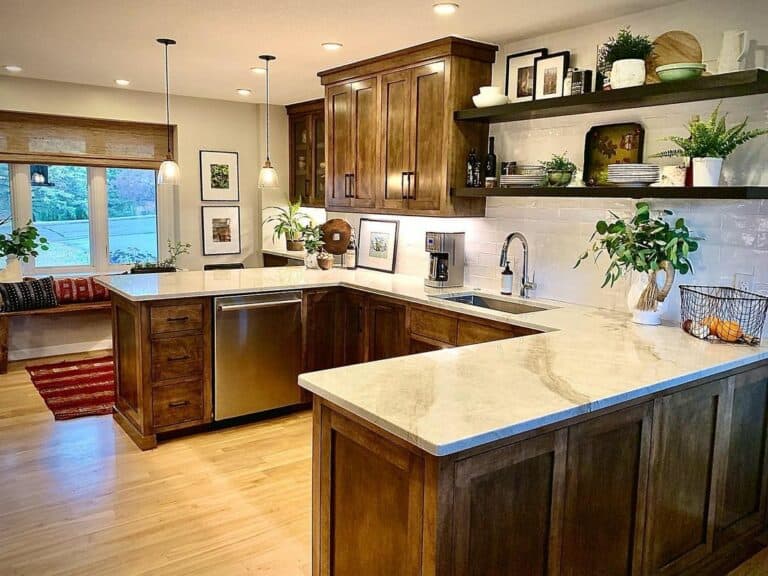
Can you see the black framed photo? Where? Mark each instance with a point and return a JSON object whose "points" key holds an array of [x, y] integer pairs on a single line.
{"points": [[549, 75], [520, 70], [219, 176], [221, 230], [377, 248]]}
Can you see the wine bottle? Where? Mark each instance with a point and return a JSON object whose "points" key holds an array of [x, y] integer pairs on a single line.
{"points": [[471, 161], [490, 161], [350, 256]]}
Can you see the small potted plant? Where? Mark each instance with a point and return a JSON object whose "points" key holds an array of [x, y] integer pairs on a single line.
{"points": [[647, 243], [289, 222], [708, 144], [312, 236], [559, 170], [325, 260], [625, 55], [175, 249], [17, 247]]}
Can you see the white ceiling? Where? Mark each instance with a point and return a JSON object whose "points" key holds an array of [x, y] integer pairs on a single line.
{"points": [[97, 41]]}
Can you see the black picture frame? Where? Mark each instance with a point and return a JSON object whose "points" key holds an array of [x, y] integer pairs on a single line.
{"points": [[539, 52], [363, 242], [201, 155], [203, 210], [565, 57]]}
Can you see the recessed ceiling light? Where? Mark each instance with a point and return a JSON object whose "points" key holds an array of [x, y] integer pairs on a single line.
{"points": [[121, 82], [445, 7], [332, 46], [258, 70], [12, 68], [244, 92]]}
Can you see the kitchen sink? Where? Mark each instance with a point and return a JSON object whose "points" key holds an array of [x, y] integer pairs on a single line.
{"points": [[508, 306]]}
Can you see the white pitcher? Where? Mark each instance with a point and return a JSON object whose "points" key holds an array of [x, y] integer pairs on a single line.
{"points": [[733, 51]]}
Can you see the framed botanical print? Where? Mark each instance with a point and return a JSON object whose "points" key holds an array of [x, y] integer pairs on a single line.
{"points": [[377, 247], [549, 75], [520, 68], [219, 176], [221, 230], [611, 144]]}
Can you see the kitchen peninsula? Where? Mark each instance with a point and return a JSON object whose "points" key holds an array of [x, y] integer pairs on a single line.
{"points": [[495, 456]]}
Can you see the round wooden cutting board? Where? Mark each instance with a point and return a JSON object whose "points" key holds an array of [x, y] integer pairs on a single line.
{"points": [[672, 47], [336, 234]]}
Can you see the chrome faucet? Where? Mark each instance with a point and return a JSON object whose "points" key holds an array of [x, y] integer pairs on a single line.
{"points": [[525, 283]]}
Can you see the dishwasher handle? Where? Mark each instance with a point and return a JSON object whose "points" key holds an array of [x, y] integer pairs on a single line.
{"points": [[255, 305]]}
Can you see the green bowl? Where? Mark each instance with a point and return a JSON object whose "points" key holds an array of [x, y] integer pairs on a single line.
{"points": [[682, 71]]}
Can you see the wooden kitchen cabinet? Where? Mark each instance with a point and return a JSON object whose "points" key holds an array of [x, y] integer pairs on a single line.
{"points": [[392, 144], [306, 143], [352, 326], [321, 340], [387, 329]]}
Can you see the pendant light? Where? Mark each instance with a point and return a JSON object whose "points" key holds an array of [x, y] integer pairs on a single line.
{"points": [[268, 175], [169, 173]]}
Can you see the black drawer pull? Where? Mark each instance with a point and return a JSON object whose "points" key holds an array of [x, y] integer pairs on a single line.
{"points": [[178, 358], [178, 403], [178, 318]]}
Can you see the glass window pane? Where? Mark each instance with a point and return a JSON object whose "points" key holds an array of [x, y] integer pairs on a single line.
{"points": [[60, 211], [6, 224], [132, 208]]}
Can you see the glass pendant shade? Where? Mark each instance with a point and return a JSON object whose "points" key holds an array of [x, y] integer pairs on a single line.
{"points": [[268, 176], [169, 174]]}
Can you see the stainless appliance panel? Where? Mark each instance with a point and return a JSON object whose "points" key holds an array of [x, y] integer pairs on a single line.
{"points": [[257, 357]]}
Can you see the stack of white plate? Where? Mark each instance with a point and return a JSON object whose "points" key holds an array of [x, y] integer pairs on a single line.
{"points": [[521, 179], [636, 175], [529, 170]]}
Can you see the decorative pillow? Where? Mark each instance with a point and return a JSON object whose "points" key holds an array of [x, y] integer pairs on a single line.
{"points": [[28, 295], [71, 290]]}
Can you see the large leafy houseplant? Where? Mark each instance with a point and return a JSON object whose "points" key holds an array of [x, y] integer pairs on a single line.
{"points": [[625, 56], [288, 222], [646, 243], [23, 242]]}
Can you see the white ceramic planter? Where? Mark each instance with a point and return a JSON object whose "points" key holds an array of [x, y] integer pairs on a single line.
{"points": [[706, 171], [310, 261], [627, 73], [639, 283], [12, 272]]}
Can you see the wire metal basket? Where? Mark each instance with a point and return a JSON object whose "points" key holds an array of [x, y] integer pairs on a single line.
{"points": [[719, 313]]}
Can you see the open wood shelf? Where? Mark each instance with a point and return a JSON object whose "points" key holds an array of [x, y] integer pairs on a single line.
{"points": [[705, 88], [699, 193]]}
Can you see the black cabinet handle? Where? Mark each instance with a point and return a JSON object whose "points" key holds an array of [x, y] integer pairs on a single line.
{"points": [[411, 197], [402, 185], [178, 318], [178, 403], [360, 319], [178, 358], [346, 184], [352, 186]]}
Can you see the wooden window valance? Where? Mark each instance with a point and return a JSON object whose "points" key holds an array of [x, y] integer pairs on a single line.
{"points": [[49, 139]]}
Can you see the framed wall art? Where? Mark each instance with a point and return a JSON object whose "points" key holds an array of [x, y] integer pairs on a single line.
{"points": [[219, 176], [377, 247], [549, 74], [611, 144], [221, 230], [520, 69]]}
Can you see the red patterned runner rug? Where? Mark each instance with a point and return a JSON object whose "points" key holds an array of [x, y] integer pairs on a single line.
{"points": [[76, 388]]}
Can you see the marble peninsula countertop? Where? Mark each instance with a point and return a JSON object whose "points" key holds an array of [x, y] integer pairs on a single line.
{"points": [[450, 400]]}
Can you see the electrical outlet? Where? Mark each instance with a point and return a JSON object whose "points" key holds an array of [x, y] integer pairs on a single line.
{"points": [[743, 281]]}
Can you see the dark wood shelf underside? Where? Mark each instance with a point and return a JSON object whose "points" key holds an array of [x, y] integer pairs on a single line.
{"points": [[699, 193]]}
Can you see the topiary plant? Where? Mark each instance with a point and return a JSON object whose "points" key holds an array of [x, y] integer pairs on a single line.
{"points": [[625, 46]]}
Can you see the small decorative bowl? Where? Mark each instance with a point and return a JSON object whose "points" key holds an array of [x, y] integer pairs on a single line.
{"points": [[486, 100], [559, 177], [680, 71]]}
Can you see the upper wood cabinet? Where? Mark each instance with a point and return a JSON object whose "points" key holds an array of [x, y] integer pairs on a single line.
{"points": [[306, 142], [392, 144]]}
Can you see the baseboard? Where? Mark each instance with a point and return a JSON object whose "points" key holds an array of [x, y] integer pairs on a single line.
{"points": [[45, 351]]}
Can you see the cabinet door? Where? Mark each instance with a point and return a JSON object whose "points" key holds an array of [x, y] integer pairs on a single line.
{"points": [[427, 184], [318, 160], [354, 307], [338, 117], [605, 493], [364, 152], [396, 137], [680, 515], [320, 342], [300, 181], [388, 336]]}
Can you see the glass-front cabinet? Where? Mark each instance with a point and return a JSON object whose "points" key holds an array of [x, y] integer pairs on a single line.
{"points": [[307, 152]]}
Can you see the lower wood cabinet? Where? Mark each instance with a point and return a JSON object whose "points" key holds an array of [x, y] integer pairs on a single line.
{"points": [[353, 316], [388, 336], [321, 340]]}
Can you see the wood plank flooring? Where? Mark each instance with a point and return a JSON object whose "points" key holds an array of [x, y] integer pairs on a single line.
{"points": [[77, 497]]}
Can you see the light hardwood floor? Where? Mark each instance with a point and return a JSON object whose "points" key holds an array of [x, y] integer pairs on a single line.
{"points": [[77, 497]]}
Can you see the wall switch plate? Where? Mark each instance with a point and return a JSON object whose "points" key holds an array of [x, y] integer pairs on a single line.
{"points": [[743, 281]]}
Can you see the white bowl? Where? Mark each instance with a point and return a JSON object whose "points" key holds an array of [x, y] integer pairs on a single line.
{"points": [[485, 100], [487, 90]]}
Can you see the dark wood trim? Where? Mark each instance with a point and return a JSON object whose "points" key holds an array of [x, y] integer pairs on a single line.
{"points": [[698, 193], [308, 107]]}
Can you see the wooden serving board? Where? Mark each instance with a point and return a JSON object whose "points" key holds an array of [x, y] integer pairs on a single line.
{"points": [[672, 47], [336, 234]]}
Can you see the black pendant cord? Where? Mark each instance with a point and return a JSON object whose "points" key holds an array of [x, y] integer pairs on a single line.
{"points": [[167, 103], [267, 110]]}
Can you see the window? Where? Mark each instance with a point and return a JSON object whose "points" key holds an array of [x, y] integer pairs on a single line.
{"points": [[132, 215], [6, 223]]}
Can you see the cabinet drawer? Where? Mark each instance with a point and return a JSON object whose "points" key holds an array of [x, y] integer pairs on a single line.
{"points": [[177, 357], [178, 318], [433, 326], [475, 333], [177, 403]]}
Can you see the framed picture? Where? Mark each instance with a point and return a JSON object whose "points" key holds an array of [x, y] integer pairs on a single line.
{"points": [[520, 68], [549, 74], [221, 230], [219, 176], [377, 248], [611, 144]]}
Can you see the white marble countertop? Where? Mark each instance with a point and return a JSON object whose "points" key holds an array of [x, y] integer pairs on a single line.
{"points": [[451, 400]]}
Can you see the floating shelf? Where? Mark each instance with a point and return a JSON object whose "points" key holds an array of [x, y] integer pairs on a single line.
{"points": [[704, 88], [699, 193]]}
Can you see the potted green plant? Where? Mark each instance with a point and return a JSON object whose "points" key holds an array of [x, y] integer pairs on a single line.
{"points": [[559, 170], [288, 222], [312, 236], [17, 247], [646, 243], [324, 260], [625, 55], [708, 144], [168, 264]]}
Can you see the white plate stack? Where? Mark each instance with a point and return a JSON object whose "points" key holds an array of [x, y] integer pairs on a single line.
{"points": [[633, 175], [525, 175]]}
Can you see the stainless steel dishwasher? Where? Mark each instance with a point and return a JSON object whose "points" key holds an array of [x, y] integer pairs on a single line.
{"points": [[257, 357]]}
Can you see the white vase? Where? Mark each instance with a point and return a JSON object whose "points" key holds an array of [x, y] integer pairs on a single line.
{"points": [[12, 271], [310, 261], [640, 281], [627, 73], [706, 171]]}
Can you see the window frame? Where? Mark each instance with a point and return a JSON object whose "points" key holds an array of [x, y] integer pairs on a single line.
{"points": [[98, 217]]}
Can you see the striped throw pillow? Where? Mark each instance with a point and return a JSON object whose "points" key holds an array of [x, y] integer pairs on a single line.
{"points": [[28, 295]]}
